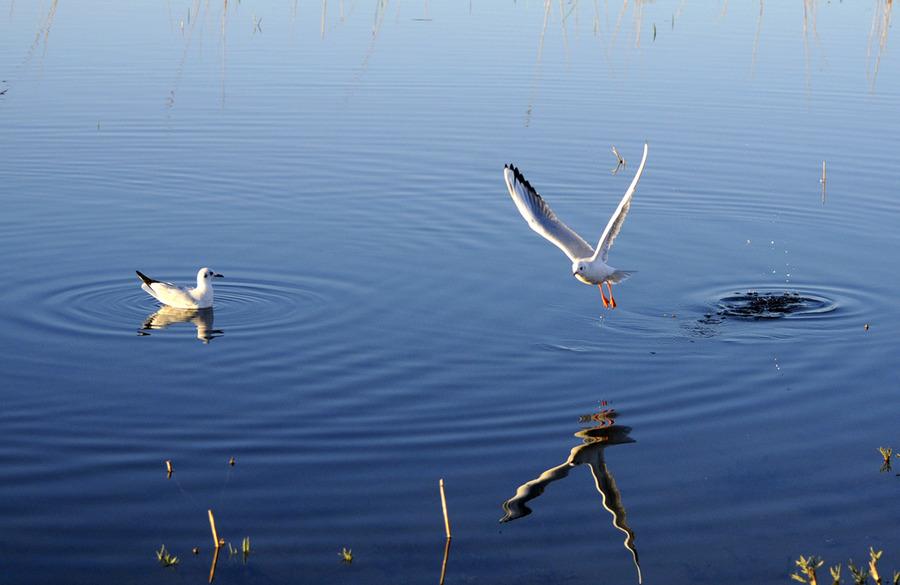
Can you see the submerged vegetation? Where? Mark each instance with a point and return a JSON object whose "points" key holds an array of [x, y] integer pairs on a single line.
{"points": [[165, 558], [244, 550], [807, 567], [886, 453], [755, 305]]}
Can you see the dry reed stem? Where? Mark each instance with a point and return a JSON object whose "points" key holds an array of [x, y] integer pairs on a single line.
{"points": [[444, 506], [215, 535], [873, 564], [444, 563], [215, 560]]}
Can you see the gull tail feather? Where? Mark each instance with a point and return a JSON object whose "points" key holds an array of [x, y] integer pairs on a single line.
{"points": [[147, 280], [147, 289], [620, 275]]}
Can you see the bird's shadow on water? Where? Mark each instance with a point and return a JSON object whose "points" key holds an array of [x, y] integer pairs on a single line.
{"points": [[165, 317], [602, 432]]}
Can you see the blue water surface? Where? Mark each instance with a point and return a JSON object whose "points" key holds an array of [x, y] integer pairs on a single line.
{"points": [[388, 319]]}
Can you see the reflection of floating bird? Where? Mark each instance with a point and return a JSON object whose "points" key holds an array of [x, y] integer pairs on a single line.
{"points": [[588, 265], [596, 439], [200, 297], [202, 319]]}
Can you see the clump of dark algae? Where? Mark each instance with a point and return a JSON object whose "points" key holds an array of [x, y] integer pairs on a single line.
{"points": [[771, 305]]}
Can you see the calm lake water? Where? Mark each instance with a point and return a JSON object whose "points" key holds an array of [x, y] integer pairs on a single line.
{"points": [[388, 319]]}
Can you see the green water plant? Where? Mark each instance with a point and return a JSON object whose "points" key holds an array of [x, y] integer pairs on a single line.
{"points": [[886, 453], [233, 551], [873, 565], [346, 555], [807, 572], [860, 574], [165, 558], [835, 574]]}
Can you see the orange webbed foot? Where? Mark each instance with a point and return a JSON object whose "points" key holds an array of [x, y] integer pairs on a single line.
{"points": [[602, 296]]}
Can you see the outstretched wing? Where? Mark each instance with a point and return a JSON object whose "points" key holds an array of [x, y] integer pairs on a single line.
{"points": [[618, 218], [541, 218]]}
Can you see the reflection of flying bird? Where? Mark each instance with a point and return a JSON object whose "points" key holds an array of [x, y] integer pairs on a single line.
{"points": [[596, 439], [588, 265], [202, 319], [200, 297]]}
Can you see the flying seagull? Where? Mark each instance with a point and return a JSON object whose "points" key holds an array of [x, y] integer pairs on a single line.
{"points": [[167, 293], [588, 265]]}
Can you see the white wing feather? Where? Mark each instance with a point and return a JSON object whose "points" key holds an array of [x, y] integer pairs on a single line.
{"points": [[173, 296], [541, 218], [618, 218]]}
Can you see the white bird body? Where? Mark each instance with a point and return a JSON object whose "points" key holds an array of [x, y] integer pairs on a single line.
{"points": [[199, 297], [589, 265]]}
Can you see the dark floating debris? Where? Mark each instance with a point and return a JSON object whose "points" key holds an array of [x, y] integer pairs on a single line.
{"points": [[771, 305], [710, 319]]}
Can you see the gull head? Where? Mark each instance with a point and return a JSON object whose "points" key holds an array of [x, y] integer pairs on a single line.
{"points": [[584, 270], [205, 276]]}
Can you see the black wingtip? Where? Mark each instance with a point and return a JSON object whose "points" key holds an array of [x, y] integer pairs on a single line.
{"points": [[520, 178], [147, 280]]}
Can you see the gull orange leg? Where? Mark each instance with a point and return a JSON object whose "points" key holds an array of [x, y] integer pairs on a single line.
{"points": [[612, 301], [602, 296]]}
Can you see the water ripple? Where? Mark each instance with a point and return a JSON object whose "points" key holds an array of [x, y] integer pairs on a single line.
{"points": [[744, 312], [117, 307], [774, 305]]}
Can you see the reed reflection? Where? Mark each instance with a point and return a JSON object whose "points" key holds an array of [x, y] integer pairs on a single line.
{"points": [[43, 33], [202, 319], [881, 24], [603, 432]]}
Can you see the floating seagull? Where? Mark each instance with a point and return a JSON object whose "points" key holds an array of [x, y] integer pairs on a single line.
{"points": [[588, 265], [167, 293]]}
